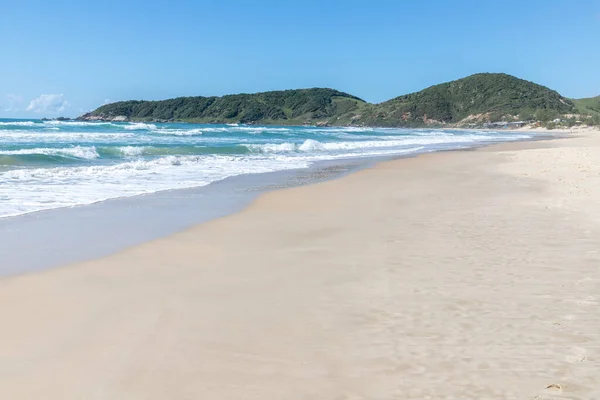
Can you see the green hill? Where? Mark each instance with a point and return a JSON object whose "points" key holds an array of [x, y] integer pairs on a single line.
{"points": [[476, 98], [589, 106], [490, 97], [283, 107]]}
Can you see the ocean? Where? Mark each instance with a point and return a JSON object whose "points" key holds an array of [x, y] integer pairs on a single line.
{"points": [[54, 164]]}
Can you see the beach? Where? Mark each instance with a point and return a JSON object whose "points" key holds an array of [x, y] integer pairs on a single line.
{"points": [[453, 275]]}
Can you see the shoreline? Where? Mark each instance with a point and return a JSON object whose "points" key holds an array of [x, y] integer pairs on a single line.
{"points": [[450, 127], [91, 153], [113, 225], [60, 238], [435, 276]]}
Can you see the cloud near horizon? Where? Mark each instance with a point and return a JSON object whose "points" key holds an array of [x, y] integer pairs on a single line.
{"points": [[49, 103]]}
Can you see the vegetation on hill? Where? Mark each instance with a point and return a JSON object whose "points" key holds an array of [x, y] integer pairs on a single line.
{"points": [[587, 112], [589, 106], [288, 106], [480, 97], [475, 99]]}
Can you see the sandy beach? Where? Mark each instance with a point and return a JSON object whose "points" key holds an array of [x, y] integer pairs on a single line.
{"points": [[454, 275]]}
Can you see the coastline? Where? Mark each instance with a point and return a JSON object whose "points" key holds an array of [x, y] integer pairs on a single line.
{"points": [[433, 276], [450, 126], [67, 235]]}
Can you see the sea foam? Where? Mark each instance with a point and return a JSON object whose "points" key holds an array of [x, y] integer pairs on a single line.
{"points": [[88, 153], [140, 126], [66, 163]]}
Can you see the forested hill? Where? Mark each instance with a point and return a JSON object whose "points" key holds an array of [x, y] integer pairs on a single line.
{"points": [[590, 105], [290, 106], [476, 98], [481, 96]]}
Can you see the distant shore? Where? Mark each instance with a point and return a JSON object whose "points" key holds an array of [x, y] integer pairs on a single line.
{"points": [[528, 127], [436, 276], [475, 100]]}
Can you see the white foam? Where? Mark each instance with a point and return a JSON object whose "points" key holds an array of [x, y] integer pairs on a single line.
{"points": [[313, 157], [12, 137], [216, 129], [29, 190], [272, 148], [130, 151], [140, 126], [134, 168], [17, 123], [77, 123], [349, 129], [179, 132], [88, 153], [253, 130], [311, 145]]}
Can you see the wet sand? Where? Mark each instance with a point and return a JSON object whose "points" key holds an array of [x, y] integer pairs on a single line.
{"points": [[456, 275]]}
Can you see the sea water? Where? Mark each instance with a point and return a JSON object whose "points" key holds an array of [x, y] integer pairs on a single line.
{"points": [[54, 164]]}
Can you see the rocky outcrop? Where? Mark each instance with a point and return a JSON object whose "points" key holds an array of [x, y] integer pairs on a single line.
{"points": [[103, 118]]}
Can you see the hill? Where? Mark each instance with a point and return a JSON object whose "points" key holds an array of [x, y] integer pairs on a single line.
{"points": [[590, 106], [283, 107], [476, 98], [490, 97]]}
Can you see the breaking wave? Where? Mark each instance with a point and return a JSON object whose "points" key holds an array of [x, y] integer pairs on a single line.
{"points": [[54, 164]]}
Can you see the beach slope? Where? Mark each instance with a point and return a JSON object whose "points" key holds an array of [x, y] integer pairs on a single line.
{"points": [[466, 274]]}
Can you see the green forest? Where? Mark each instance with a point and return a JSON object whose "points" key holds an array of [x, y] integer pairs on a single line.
{"points": [[476, 99]]}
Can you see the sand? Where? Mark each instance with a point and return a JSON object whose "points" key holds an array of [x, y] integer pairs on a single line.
{"points": [[456, 275]]}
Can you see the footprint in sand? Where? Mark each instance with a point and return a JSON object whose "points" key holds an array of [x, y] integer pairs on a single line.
{"points": [[551, 390], [554, 389]]}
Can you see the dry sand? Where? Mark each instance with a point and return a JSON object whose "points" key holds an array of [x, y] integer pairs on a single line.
{"points": [[458, 275], [577, 130]]}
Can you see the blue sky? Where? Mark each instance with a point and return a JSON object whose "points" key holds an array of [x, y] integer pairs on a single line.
{"points": [[65, 57]]}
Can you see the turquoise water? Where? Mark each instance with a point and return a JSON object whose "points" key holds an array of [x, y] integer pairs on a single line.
{"points": [[51, 164]]}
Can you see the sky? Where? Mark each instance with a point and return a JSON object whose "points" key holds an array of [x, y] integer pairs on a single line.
{"points": [[67, 57]]}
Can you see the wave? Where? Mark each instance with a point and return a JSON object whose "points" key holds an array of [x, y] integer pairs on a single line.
{"points": [[16, 136], [263, 128], [272, 148], [213, 165], [87, 153], [43, 168], [77, 123], [36, 189], [333, 130], [129, 151], [52, 155], [314, 157], [136, 126], [246, 129], [311, 145], [139, 151], [179, 132], [17, 123]]}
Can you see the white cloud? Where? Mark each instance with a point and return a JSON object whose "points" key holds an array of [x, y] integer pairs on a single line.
{"points": [[12, 103], [49, 103]]}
